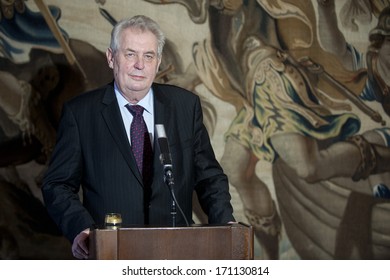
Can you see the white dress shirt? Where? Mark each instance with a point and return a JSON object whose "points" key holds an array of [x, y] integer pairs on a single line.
{"points": [[127, 117]]}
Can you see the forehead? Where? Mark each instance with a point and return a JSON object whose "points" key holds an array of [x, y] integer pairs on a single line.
{"points": [[138, 40]]}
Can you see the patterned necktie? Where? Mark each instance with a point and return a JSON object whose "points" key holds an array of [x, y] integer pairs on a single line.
{"points": [[140, 143]]}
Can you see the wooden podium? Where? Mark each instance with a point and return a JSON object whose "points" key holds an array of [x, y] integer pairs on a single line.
{"points": [[198, 242]]}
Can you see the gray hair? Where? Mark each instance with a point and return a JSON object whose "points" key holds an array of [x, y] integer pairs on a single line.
{"points": [[138, 22]]}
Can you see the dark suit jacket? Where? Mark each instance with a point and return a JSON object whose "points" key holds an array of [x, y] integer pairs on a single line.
{"points": [[93, 151]]}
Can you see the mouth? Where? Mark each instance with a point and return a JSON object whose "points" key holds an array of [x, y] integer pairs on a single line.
{"points": [[137, 77]]}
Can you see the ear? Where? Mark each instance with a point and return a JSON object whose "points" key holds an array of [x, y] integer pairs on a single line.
{"points": [[110, 58]]}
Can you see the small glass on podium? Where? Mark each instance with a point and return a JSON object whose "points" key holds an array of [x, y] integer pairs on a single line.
{"points": [[112, 221]]}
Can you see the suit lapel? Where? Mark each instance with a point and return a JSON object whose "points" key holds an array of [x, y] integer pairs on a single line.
{"points": [[163, 110], [163, 115], [113, 119]]}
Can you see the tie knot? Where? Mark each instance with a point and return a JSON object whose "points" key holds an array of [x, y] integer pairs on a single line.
{"points": [[135, 110]]}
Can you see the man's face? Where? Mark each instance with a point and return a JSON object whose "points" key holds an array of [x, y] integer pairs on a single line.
{"points": [[135, 64]]}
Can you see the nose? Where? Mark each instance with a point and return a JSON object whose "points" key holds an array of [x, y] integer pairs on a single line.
{"points": [[139, 63]]}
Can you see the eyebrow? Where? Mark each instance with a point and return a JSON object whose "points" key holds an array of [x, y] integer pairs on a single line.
{"points": [[147, 52]]}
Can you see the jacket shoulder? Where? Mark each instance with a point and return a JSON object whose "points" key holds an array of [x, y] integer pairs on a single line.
{"points": [[173, 90], [88, 97]]}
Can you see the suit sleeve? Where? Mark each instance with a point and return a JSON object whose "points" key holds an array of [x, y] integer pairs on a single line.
{"points": [[62, 180], [212, 184]]}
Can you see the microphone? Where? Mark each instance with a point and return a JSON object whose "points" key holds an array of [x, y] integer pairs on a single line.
{"points": [[162, 140], [166, 162]]}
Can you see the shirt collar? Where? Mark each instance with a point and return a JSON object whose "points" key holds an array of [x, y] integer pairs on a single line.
{"points": [[146, 102]]}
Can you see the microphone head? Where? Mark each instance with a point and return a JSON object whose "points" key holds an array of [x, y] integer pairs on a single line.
{"points": [[160, 131], [165, 155], [162, 140]]}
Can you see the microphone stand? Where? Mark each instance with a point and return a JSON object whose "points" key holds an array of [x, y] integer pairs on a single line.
{"points": [[166, 161], [168, 178]]}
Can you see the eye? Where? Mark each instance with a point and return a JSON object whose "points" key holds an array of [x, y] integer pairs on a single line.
{"points": [[149, 57]]}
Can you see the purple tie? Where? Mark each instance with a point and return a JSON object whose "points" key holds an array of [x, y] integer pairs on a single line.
{"points": [[140, 142]]}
